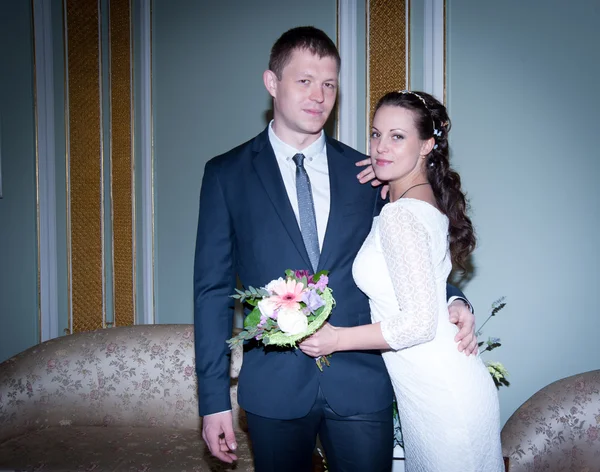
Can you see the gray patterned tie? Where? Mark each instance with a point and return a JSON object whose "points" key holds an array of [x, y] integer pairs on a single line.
{"points": [[306, 209]]}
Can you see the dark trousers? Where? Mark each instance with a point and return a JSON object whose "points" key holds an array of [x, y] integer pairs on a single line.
{"points": [[359, 443]]}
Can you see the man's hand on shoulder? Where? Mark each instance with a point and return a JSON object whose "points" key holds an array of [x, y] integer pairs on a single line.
{"points": [[368, 175], [217, 432], [461, 316]]}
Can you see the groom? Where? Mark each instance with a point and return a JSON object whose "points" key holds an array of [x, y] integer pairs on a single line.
{"points": [[289, 199]]}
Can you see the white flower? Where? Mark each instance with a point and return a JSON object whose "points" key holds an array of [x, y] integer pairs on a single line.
{"points": [[292, 321], [272, 283], [267, 307]]}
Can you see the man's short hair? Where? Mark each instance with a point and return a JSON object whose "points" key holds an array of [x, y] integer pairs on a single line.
{"points": [[302, 37]]}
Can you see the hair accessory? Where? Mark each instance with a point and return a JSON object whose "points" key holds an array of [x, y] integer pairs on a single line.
{"points": [[410, 92], [437, 132], [435, 146]]}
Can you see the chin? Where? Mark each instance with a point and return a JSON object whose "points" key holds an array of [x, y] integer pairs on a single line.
{"points": [[313, 128]]}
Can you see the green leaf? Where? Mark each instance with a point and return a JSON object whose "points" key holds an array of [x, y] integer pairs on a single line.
{"points": [[252, 319]]}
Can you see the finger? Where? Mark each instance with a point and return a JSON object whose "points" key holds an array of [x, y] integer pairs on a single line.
{"points": [[223, 453], [364, 162], [473, 346], [228, 457], [229, 436], [465, 343], [215, 449], [375, 182], [365, 176], [384, 191]]}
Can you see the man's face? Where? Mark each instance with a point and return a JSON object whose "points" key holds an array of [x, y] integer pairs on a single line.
{"points": [[305, 95]]}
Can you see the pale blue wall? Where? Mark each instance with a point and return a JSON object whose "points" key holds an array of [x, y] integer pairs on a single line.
{"points": [[18, 243], [208, 96], [523, 98]]}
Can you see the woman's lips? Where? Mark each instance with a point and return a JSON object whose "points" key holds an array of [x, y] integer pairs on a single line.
{"points": [[382, 162]]}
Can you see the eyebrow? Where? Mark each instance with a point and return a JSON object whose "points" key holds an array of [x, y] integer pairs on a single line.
{"points": [[393, 129], [311, 76]]}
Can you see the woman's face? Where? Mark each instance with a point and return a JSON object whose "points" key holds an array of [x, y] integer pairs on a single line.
{"points": [[397, 151]]}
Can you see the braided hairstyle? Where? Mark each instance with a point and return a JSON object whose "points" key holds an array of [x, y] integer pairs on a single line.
{"points": [[432, 121]]}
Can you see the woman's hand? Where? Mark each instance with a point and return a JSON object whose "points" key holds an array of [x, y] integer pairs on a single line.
{"points": [[322, 343]]}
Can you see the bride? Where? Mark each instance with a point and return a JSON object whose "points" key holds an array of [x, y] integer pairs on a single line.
{"points": [[448, 403]]}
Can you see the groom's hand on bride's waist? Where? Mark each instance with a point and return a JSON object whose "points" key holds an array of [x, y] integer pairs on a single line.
{"points": [[461, 316]]}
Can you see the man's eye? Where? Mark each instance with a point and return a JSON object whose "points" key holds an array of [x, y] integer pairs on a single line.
{"points": [[304, 81], [331, 86]]}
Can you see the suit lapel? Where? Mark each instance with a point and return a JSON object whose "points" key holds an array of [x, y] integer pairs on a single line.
{"points": [[340, 175], [268, 172]]}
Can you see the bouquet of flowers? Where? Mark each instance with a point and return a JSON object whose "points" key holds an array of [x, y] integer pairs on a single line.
{"points": [[286, 310]]}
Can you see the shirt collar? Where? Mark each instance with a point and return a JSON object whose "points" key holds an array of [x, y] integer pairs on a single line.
{"points": [[286, 151]]}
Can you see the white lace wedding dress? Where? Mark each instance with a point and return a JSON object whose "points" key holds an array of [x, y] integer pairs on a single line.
{"points": [[447, 401]]}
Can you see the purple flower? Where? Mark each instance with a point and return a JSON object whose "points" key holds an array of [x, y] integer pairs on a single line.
{"points": [[322, 283], [303, 273], [313, 300]]}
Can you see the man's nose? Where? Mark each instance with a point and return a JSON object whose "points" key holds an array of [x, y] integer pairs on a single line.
{"points": [[317, 94]]}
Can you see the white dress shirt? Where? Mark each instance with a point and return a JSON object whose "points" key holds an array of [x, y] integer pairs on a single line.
{"points": [[315, 163]]}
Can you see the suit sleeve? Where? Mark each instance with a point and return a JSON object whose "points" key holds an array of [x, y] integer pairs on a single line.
{"points": [[453, 293], [214, 281]]}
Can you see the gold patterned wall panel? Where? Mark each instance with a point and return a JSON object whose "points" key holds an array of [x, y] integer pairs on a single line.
{"points": [[121, 158], [84, 164], [96, 243], [387, 50]]}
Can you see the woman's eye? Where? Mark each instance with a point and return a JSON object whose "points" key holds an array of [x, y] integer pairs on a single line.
{"points": [[397, 137], [374, 134]]}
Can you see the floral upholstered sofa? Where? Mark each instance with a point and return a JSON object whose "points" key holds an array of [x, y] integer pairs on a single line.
{"points": [[118, 399], [557, 429]]}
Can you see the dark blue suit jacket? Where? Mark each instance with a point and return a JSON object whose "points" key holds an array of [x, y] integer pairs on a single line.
{"points": [[247, 228]]}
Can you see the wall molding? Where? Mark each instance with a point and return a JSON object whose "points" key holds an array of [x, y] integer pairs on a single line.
{"points": [[348, 47], [46, 171], [434, 46], [146, 164]]}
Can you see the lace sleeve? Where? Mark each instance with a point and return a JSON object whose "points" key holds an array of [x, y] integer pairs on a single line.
{"points": [[406, 247]]}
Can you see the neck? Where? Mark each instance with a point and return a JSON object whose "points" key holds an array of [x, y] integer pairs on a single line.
{"points": [[295, 139], [399, 187]]}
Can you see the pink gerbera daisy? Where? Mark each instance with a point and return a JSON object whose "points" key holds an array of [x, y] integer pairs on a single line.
{"points": [[287, 294]]}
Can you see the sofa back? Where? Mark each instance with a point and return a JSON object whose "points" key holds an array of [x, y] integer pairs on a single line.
{"points": [[140, 375], [558, 428]]}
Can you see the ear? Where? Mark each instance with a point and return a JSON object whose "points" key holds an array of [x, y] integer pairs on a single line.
{"points": [[427, 146], [270, 80]]}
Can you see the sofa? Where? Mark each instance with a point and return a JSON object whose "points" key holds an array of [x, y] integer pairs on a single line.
{"points": [[557, 429], [118, 399]]}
